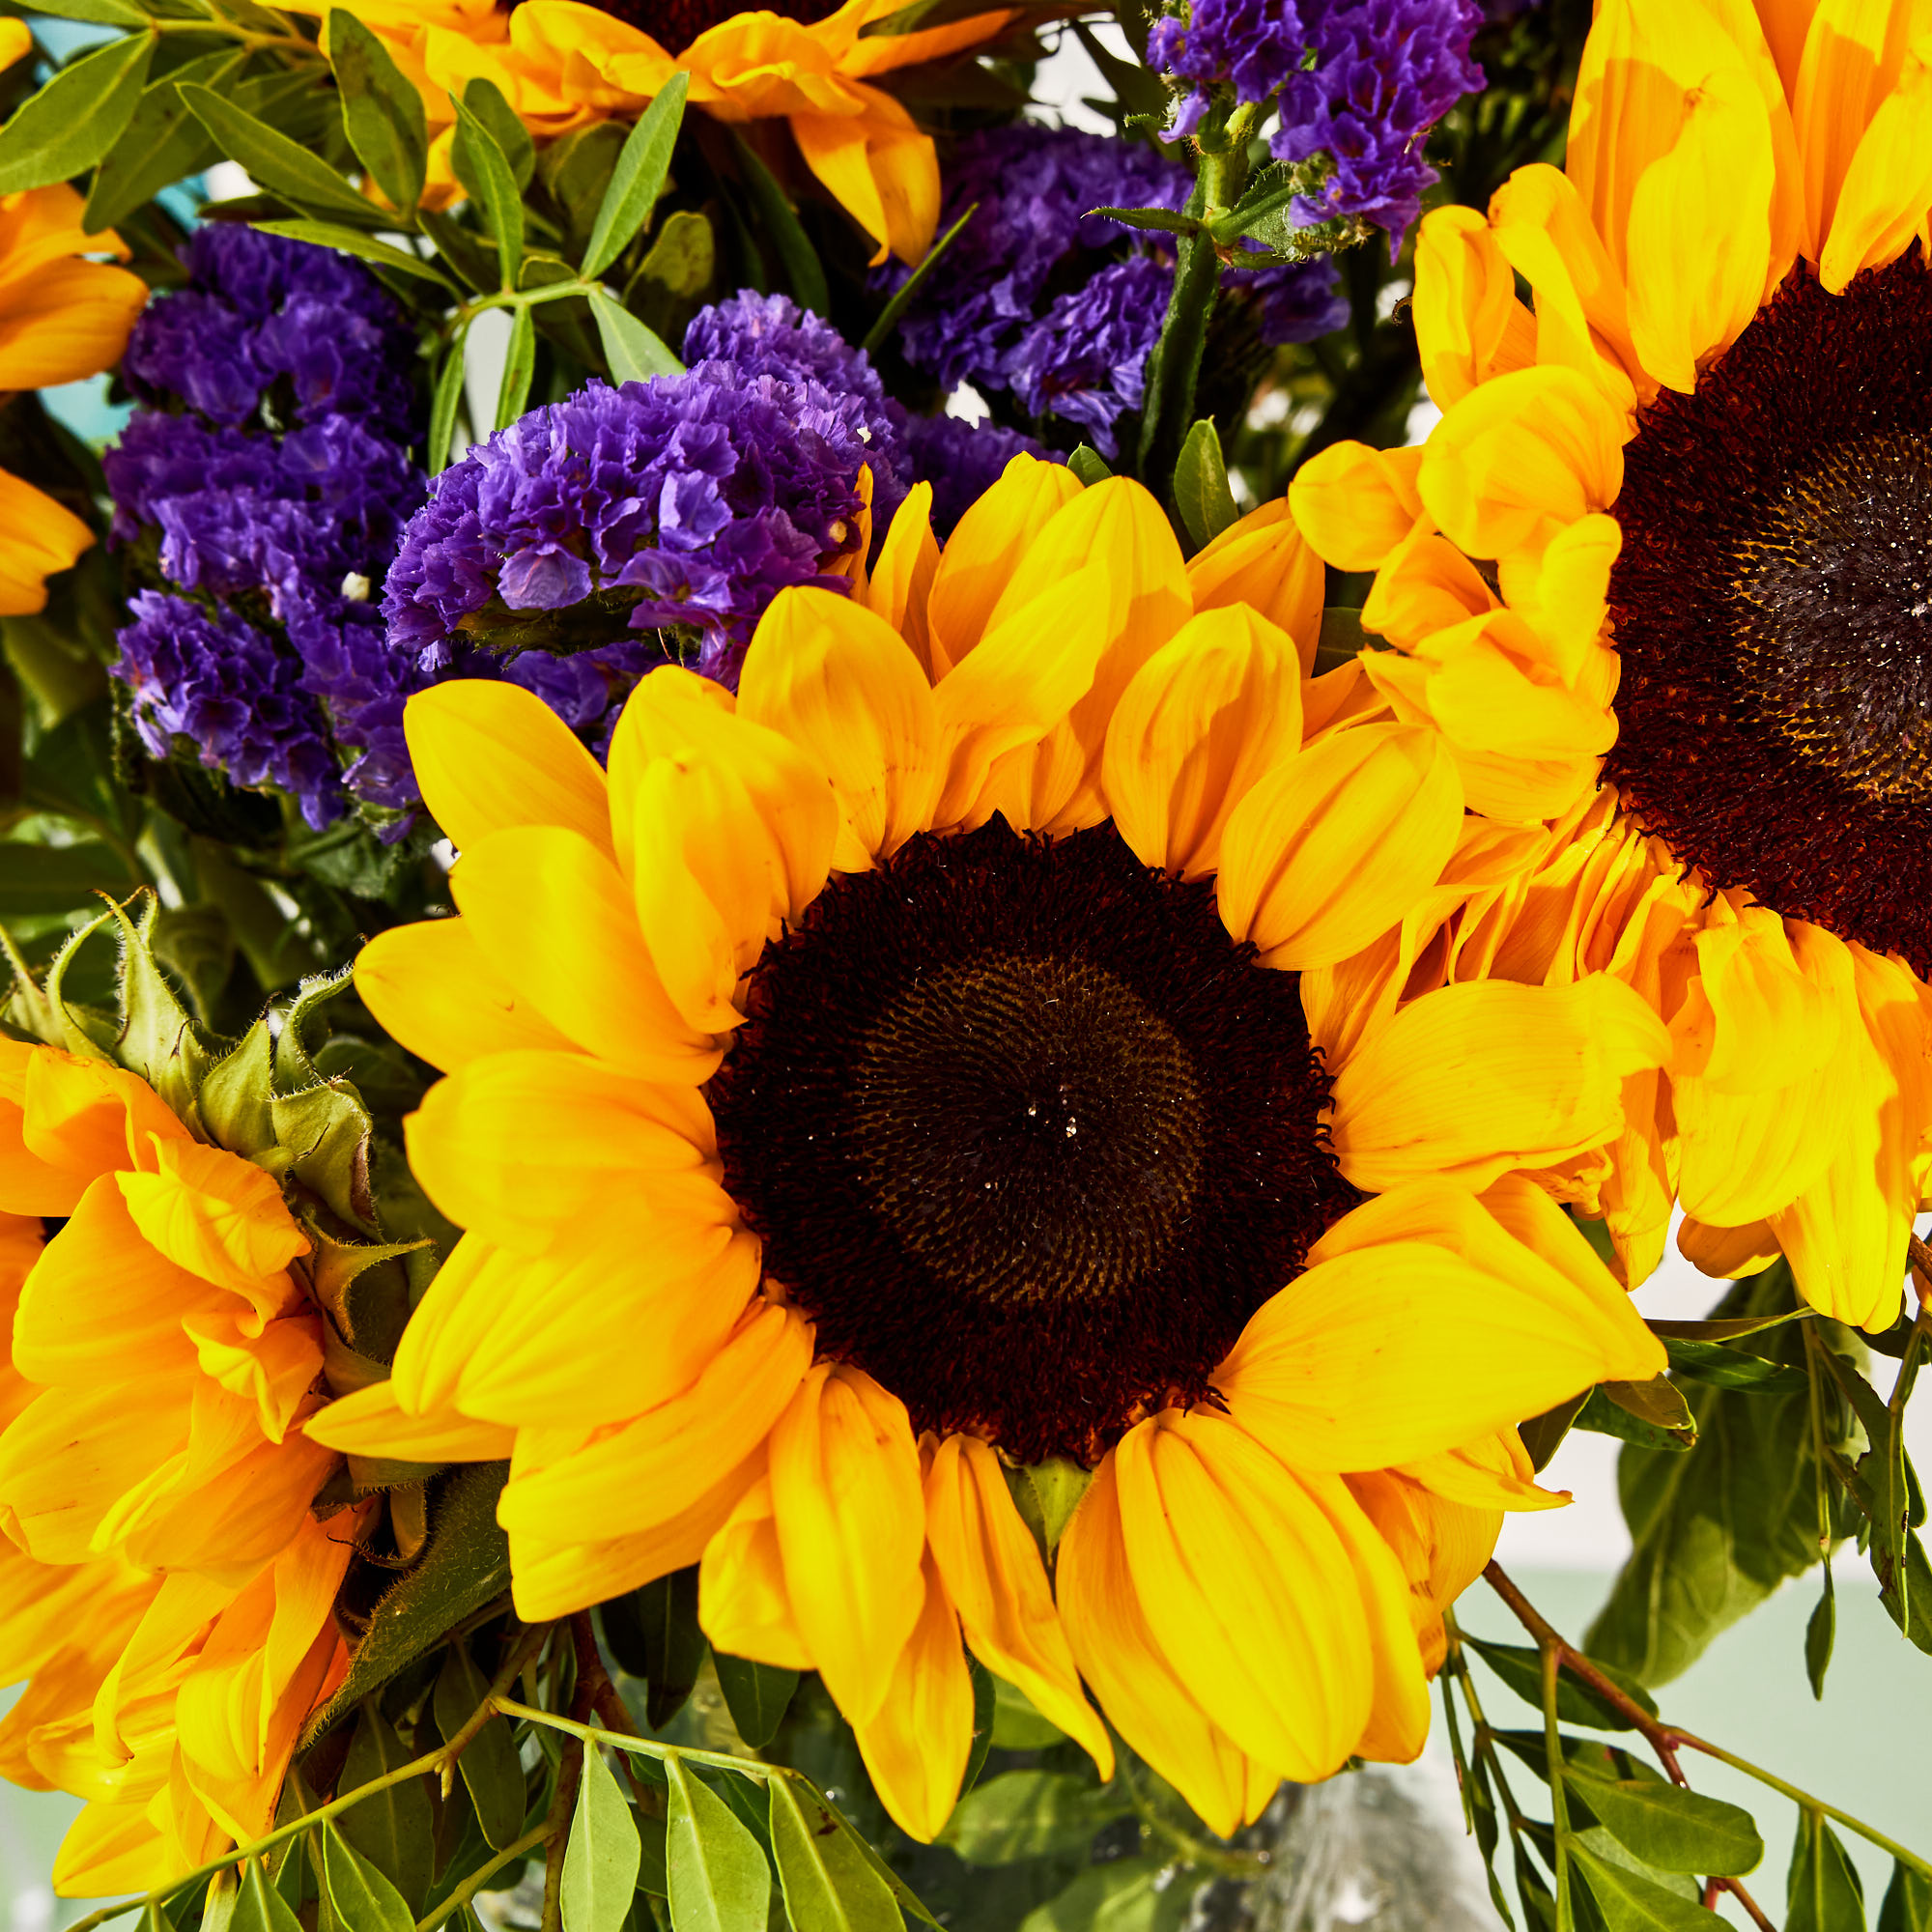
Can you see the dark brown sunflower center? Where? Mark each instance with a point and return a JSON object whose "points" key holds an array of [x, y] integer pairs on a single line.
{"points": [[675, 23], [1026, 1134], [1772, 610]]}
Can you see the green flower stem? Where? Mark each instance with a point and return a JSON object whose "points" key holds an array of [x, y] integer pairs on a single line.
{"points": [[1668, 1740], [248, 37], [625, 1741], [1559, 1801], [479, 1878], [1193, 1851]]}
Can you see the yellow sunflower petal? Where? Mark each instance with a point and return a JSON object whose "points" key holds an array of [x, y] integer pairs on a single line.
{"points": [[840, 682], [370, 1423], [916, 1746], [1468, 324], [1887, 187], [879, 167], [1264, 562], [1248, 1590], [1354, 504], [742, 1601], [1338, 843], [42, 538], [551, 913], [1727, 1252], [219, 1216], [431, 986], [992, 1571], [521, 1145], [1478, 1078], [986, 549], [1490, 1474], [851, 1525], [901, 582], [1421, 1327], [490, 754], [1203, 721], [653, 1468], [1146, 1701]]}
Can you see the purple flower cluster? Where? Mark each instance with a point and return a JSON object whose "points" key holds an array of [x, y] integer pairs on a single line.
{"points": [[1060, 307], [270, 468], [686, 502], [1360, 81]]}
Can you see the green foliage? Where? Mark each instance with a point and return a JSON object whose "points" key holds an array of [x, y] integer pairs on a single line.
{"points": [[717, 1871], [77, 117], [829, 1883], [391, 1828], [381, 111], [653, 1633], [1824, 1893], [1200, 491], [637, 180], [757, 1695], [600, 1863], [361, 1897], [492, 1772]]}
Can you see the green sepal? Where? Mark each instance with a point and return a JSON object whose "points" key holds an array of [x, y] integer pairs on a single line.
{"points": [[236, 1092], [159, 1039]]}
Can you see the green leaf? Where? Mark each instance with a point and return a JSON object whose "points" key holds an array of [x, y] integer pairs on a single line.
{"points": [[1200, 491], [281, 165], [1653, 1414], [1719, 1528], [683, 258], [484, 169], [382, 110], [1089, 465], [58, 878], [716, 1870], [492, 1773], [1908, 1902], [1543, 1435], [1731, 1368], [635, 352], [827, 1883], [653, 1633], [986, 1714], [465, 1565], [1163, 221], [1125, 1895], [639, 177], [1665, 1826], [1826, 1893], [880, 333], [922, 14], [1630, 1902], [600, 1862], [757, 1695], [1342, 637], [363, 1900], [1912, 1615], [390, 1828], [443, 409], [259, 1906], [519, 366], [1046, 1495], [1016, 1724], [1521, 1668], [780, 224], [76, 117], [1026, 1814], [1820, 1634], [485, 100], [161, 144], [107, 12], [351, 242]]}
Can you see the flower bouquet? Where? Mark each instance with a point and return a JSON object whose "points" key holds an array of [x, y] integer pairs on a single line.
{"points": [[864, 927]]}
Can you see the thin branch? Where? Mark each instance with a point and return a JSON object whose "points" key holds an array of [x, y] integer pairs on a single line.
{"points": [[477, 1878]]}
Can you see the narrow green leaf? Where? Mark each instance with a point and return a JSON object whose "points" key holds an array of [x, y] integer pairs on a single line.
{"points": [[1676, 1829], [390, 1828], [1826, 1893], [985, 1713], [493, 1774], [1820, 1633], [1908, 1902], [653, 1633], [443, 409], [76, 117], [519, 366], [881, 330], [634, 351], [161, 145], [281, 165], [107, 12], [757, 1695], [716, 1870], [1630, 1902], [828, 1886], [1521, 1668], [1162, 220], [259, 1906], [922, 14], [796, 255], [484, 169], [1027, 1814], [382, 110], [383, 254], [485, 100], [1089, 465], [1731, 1368], [639, 177], [1200, 491], [362, 1899], [600, 1862], [1140, 1894]]}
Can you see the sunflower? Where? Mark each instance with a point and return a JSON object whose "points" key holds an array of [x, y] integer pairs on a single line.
{"points": [[1671, 538], [60, 318], [166, 1589], [564, 65], [891, 1089]]}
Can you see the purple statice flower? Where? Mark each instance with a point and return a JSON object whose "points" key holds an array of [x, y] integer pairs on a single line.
{"points": [[962, 461], [687, 502], [214, 679], [1385, 72], [1251, 47], [1060, 307]]}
